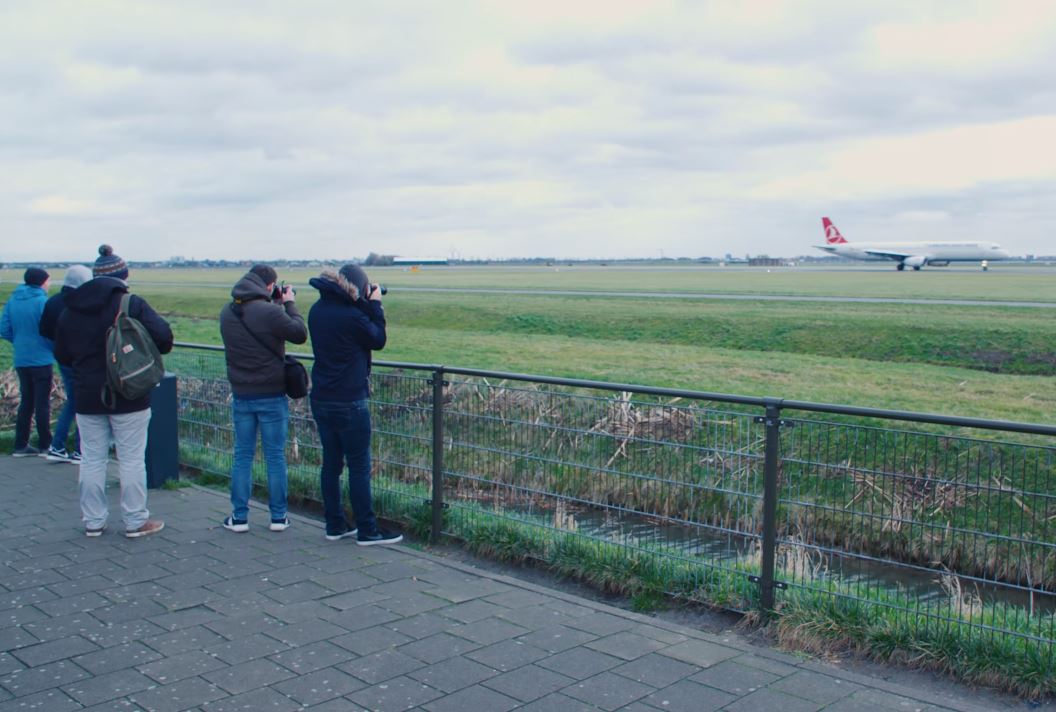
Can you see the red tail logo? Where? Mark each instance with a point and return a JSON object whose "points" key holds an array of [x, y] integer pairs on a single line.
{"points": [[832, 233]]}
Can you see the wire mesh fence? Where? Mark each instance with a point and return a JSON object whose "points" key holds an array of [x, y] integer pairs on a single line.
{"points": [[931, 531]]}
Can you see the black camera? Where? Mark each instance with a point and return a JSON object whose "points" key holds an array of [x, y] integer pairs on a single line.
{"points": [[382, 287], [278, 289]]}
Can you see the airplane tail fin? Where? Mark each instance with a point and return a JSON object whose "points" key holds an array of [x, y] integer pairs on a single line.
{"points": [[832, 233]]}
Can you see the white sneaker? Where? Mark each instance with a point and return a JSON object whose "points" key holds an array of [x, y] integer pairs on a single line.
{"points": [[236, 525], [281, 525]]}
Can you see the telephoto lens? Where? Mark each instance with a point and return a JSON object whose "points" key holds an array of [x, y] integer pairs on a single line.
{"points": [[384, 289]]}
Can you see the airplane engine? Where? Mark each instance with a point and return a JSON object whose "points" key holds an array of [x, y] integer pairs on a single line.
{"points": [[916, 261]]}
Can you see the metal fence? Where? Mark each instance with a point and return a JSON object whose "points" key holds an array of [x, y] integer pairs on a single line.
{"points": [[929, 526]]}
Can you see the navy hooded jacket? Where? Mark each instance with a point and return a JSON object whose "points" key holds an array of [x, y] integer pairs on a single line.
{"points": [[344, 331], [80, 340]]}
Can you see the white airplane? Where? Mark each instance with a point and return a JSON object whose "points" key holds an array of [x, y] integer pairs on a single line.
{"points": [[910, 254]]}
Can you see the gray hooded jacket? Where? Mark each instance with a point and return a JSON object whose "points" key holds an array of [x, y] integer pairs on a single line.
{"points": [[253, 370]]}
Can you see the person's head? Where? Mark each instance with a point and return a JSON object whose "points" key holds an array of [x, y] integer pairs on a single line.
{"points": [[357, 278], [266, 273], [109, 265], [76, 275], [36, 277]]}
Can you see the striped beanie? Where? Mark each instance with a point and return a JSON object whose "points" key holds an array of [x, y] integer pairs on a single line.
{"points": [[109, 265]]}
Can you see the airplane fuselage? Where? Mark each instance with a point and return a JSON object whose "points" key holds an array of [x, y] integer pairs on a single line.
{"points": [[910, 254]]}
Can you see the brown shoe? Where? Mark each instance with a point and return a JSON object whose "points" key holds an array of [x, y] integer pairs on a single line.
{"points": [[151, 526]]}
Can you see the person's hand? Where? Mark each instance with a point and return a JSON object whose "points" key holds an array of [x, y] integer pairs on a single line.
{"points": [[288, 295], [375, 293]]}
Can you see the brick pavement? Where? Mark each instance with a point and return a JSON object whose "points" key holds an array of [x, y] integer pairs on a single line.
{"points": [[201, 618]]}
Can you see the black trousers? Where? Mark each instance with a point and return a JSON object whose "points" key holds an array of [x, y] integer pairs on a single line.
{"points": [[34, 382]]}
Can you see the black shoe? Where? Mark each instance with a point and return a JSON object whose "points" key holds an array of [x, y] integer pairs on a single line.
{"points": [[26, 451], [380, 536], [341, 535]]}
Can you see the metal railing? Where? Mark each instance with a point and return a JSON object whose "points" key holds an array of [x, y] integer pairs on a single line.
{"points": [[939, 526]]}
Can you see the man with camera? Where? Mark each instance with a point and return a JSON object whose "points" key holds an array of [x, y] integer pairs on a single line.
{"points": [[347, 323], [255, 327]]}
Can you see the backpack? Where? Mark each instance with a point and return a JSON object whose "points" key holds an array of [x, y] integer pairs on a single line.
{"points": [[133, 362]]}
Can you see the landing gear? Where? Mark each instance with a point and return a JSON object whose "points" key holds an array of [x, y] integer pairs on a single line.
{"points": [[916, 268], [901, 266]]}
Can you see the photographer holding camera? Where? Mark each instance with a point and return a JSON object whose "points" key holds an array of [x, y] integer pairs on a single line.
{"points": [[346, 324], [255, 327]]}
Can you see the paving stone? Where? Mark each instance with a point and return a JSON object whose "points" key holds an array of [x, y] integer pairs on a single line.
{"points": [[879, 699], [381, 666], [398, 693], [355, 599], [314, 656], [21, 616], [139, 574], [393, 570], [819, 688], [15, 638], [371, 640], [656, 670], [179, 667], [438, 647], [117, 657], [178, 696], [767, 699], [120, 633], [689, 696], [661, 634], [507, 655], [48, 701], [580, 663], [320, 686], [557, 638], [763, 660], [244, 649], [300, 612], [185, 618], [513, 598], [33, 579], [488, 631], [471, 611], [247, 676], [699, 653], [345, 581], [130, 609], [295, 593], [528, 683], [472, 698], [607, 691], [74, 604], [9, 663], [305, 632], [265, 700], [735, 678], [54, 650], [180, 641], [55, 629], [235, 627], [536, 617], [101, 688], [627, 646], [43, 677], [600, 623], [421, 626], [453, 674]]}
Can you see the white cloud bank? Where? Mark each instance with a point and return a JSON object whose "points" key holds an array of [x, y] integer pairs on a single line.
{"points": [[332, 129]]}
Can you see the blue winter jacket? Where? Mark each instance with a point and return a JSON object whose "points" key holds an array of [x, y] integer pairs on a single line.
{"points": [[344, 332], [20, 324]]}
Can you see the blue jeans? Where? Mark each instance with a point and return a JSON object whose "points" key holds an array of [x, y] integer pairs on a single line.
{"points": [[34, 384], [344, 433], [66, 416], [272, 416]]}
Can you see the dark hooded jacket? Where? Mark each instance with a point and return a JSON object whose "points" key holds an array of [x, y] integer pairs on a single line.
{"points": [[257, 370], [80, 340], [345, 329], [52, 309]]}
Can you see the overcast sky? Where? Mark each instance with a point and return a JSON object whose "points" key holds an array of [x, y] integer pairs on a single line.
{"points": [[571, 128]]}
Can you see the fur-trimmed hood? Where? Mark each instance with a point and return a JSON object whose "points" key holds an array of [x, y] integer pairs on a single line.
{"points": [[331, 282]]}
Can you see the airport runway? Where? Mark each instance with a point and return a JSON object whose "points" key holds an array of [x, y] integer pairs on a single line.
{"points": [[734, 297]]}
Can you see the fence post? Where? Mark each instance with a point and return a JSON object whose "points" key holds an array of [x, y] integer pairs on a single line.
{"points": [[771, 459], [438, 454]]}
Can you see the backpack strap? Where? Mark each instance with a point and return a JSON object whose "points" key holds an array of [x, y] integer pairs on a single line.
{"points": [[107, 395], [238, 312]]}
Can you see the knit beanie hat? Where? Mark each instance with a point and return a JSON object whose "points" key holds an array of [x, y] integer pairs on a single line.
{"points": [[76, 275], [356, 276], [109, 265], [35, 276]]}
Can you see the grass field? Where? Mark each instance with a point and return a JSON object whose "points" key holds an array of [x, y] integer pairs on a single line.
{"points": [[966, 360]]}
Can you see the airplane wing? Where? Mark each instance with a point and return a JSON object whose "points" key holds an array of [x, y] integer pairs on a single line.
{"points": [[888, 255]]}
